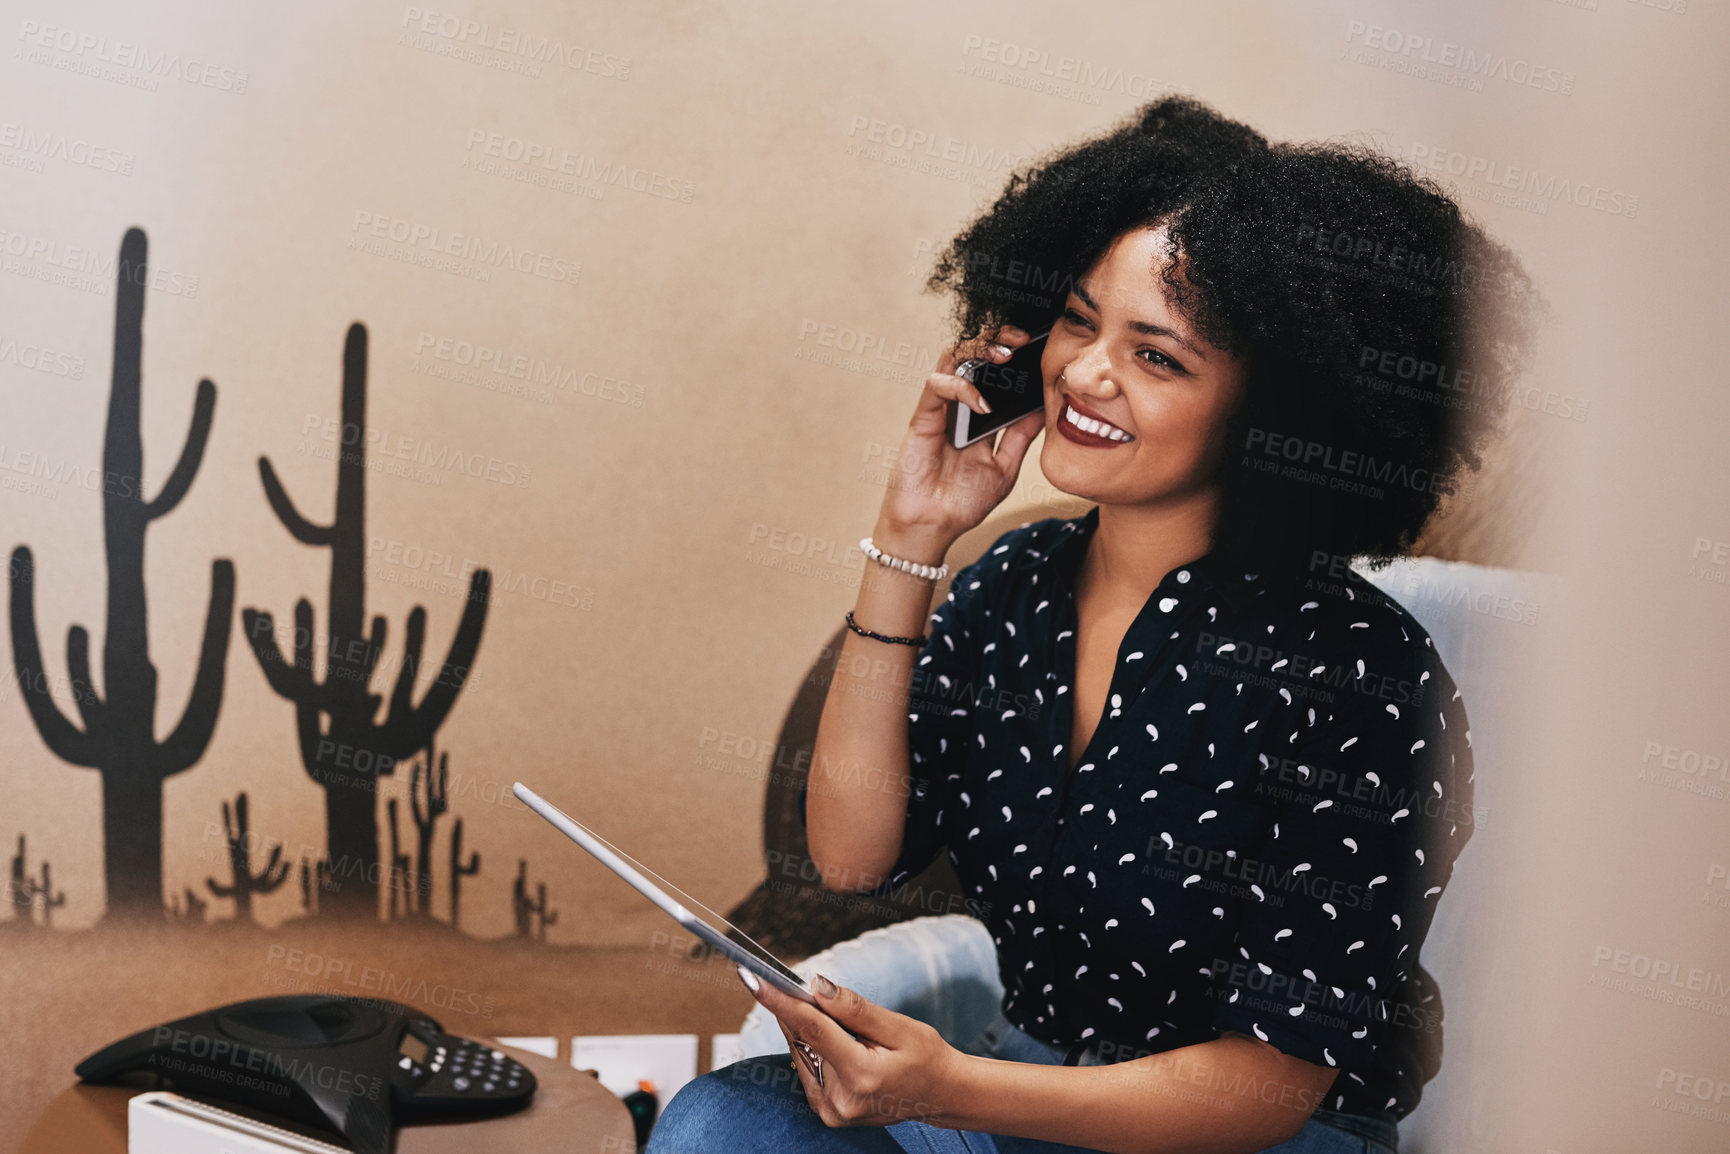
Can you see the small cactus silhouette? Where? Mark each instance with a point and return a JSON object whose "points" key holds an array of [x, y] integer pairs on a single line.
{"points": [[19, 889], [426, 817], [51, 901], [316, 878], [459, 871], [191, 911], [548, 917], [532, 918], [246, 883], [26, 889], [522, 914], [401, 896]]}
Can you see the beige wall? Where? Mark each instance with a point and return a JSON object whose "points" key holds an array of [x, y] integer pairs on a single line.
{"points": [[709, 315]]}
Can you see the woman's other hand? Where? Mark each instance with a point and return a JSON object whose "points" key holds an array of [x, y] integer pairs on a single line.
{"points": [[878, 1067], [936, 491]]}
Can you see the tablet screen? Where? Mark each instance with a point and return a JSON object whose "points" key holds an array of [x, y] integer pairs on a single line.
{"points": [[741, 939], [699, 918]]}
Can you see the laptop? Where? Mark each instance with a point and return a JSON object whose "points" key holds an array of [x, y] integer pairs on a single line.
{"points": [[705, 923]]}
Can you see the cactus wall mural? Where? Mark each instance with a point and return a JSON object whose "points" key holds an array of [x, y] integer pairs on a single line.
{"points": [[344, 745], [347, 734], [117, 737]]}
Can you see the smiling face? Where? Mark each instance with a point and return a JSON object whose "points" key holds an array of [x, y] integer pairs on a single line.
{"points": [[1135, 400]]}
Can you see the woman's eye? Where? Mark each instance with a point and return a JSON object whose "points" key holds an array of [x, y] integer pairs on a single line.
{"points": [[1074, 318], [1156, 357]]}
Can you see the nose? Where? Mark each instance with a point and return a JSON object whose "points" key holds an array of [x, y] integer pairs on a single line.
{"points": [[1090, 372]]}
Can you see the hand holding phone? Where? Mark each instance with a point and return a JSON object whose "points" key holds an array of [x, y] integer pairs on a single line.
{"points": [[1012, 389], [935, 490]]}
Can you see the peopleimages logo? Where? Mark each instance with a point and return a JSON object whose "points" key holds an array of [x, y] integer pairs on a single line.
{"points": [[539, 378], [1071, 77], [530, 46], [41, 358], [1346, 463], [1546, 186], [580, 165], [1468, 62], [414, 235], [49, 258], [92, 48], [928, 142], [41, 145]]}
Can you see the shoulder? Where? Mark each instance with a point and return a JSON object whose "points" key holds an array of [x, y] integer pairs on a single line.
{"points": [[1351, 636]]}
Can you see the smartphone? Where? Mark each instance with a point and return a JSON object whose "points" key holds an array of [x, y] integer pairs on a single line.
{"points": [[1012, 389]]}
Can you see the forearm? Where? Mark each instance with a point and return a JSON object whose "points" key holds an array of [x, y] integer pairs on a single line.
{"points": [[857, 801], [1233, 1095]]}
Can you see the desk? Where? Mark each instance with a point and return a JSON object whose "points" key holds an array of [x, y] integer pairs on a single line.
{"points": [[571, 1114], [69, 993]]}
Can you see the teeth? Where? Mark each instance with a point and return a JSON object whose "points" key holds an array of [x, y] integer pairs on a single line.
{"points": [[1089, 425]]}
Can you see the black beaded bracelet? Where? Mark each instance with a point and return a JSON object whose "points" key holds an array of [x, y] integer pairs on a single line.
{"points": [[864, 632]]}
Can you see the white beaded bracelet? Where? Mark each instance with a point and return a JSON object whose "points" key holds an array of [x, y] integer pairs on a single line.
{"points": [[929, 572]]}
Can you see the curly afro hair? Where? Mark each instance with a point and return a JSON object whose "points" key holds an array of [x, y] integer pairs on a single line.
{"points": [[1380, 329]]}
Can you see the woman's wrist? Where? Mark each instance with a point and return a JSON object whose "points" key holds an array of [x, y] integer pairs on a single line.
{"points": [[922, 544], [961, 1084]]}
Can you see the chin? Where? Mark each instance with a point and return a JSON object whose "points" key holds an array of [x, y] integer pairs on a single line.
{"points": [[1057, 461]]}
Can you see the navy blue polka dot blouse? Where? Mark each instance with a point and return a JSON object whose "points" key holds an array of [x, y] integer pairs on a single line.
{"points": [[1255, 838]]}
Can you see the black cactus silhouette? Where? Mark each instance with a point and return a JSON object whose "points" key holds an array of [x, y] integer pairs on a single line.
{"points": [[347, 753], [26, 889], [522, 913], [118, 736], [51, 901], [532, 918], [315, 879], [191, 911], [548, 917], [246, 883], [401, 899], [19, 890], [425, 818], [459, 871]]}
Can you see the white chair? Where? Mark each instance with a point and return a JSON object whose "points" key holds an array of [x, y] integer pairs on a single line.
{"points": [[1485, 623], [941, 969]]}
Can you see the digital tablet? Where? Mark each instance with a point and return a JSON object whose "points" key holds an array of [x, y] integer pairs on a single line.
{"points": [[707, 925]]}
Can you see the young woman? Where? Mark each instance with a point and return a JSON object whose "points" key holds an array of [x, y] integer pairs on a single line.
{"points": [[1204, 785]]}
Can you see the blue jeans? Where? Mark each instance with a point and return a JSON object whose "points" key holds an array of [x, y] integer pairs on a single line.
{"points": [[757, 1106]]}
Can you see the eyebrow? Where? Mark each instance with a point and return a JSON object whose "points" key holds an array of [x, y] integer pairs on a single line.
{"points": [[1146, 327]]}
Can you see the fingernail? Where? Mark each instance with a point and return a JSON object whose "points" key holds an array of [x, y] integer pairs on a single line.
{"points": [[748, 978], [984, 405], [1001, 350], [827, 988]]}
